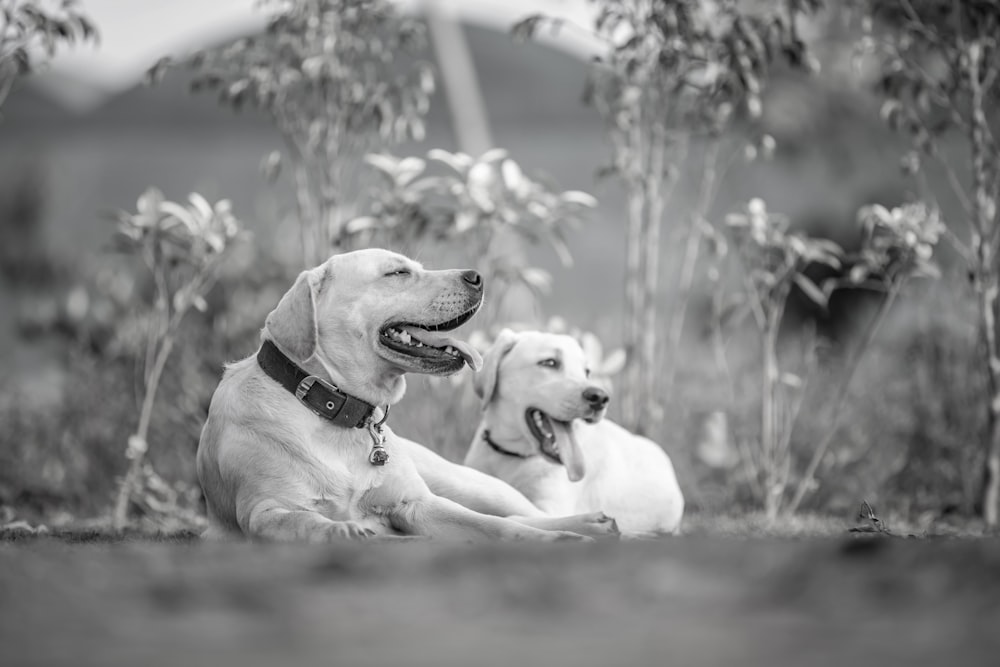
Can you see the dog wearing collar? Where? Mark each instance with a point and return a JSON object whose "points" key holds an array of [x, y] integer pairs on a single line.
{"points": [[543, 432], [295, 446]]}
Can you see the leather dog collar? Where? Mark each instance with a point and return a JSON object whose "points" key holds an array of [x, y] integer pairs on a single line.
{"points": [[314, 392], [500, 450]]}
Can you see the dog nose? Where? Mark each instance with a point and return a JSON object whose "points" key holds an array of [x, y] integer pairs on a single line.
{"points": [[472, 279], [595, 397]]}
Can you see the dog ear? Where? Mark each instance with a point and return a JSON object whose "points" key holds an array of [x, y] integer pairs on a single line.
{"points": [[485, 381], [292, 323]]}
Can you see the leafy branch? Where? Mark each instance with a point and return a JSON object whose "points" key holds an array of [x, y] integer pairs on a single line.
{"points": [[31, 28], [183, 247]]}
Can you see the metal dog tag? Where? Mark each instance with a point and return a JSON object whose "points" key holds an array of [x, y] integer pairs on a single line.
{"points": [[378, 456]]}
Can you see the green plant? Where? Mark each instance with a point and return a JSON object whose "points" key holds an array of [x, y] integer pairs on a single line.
{"points": [[34, 28], [473, 208], [183, 247], [338, 78], [939, 75], [673, 74]]}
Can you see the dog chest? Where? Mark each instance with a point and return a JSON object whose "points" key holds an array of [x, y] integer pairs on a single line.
{"points": [[353, 482]]}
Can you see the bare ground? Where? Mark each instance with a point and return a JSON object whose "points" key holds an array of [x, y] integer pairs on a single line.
{"points": [[694, 600]]}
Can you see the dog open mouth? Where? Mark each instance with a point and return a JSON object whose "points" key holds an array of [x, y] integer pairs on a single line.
{"points": [[428, 347], [557, 441]]}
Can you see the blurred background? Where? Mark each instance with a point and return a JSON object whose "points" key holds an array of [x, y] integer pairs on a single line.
{"points": [[901, 412]]}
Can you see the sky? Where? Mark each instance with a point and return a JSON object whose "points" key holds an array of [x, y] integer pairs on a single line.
{"points": [[136, 33]]}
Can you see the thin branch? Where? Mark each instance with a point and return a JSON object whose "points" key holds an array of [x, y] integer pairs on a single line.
{"points": [[840, 399]]}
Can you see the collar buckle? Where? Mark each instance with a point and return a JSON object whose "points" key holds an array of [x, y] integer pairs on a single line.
{"points": [[307, 384]]}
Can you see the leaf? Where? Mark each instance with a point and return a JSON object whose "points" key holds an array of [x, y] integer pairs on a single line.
{"points": [[512, 176], [408, 169], [387, 164], [613, 363], [465, 220], [790, 379], [560, 246], [360, 224], [149, 201], [537, 278], [926, 269], [460, 162], [481, 179], [159, 69], [182, 214], [526, 28], [201, 205], [811, 290], [579, 197], [493, 155], [270, 166]]}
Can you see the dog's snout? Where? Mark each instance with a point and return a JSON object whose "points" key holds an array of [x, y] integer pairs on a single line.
{"points": [[472, 279], [596, 398]]}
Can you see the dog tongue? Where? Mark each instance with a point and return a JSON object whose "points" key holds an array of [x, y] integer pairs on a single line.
{"points": [[569, 449], [439, 339]]}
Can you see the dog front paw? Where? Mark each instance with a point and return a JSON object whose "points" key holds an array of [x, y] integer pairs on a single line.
{"points": [[347, 530], [600, 525]]}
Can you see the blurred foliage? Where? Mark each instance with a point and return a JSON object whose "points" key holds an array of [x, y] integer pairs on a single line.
{"points": [[338, 78], [183, 248], [897, 246], [772, 261], [35, 29], [472, 209], [670, 74], [939, 76], [341, 78]]}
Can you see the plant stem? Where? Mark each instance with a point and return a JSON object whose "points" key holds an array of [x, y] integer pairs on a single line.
{"points": [[692, 248], [983, 206], [648, 366], [634, 181], [769, 379], [841, 397], [120, 516]]}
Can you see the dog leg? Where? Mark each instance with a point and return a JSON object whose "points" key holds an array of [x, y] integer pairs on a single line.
{"points": [[271, 522], [466, 486], [594, 524], [443, 518]]}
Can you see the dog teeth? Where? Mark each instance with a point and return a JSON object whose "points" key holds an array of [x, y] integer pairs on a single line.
{"points": [[406, 338], [542, 425]]}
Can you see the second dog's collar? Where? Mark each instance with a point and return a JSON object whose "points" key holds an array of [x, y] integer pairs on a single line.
{"points": [[314, 392], [500, 450]]}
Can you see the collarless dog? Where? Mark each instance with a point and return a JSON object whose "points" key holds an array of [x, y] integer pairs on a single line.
{"points": [[288, 451]]}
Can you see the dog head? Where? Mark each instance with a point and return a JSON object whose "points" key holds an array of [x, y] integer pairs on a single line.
{"points": [[369, 316], [537, 386]]}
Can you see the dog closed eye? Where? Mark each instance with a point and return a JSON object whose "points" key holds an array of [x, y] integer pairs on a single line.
{"points": [[398, 272]]}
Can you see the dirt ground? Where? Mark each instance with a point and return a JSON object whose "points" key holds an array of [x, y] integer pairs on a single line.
{"points": [[687, 601]]}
